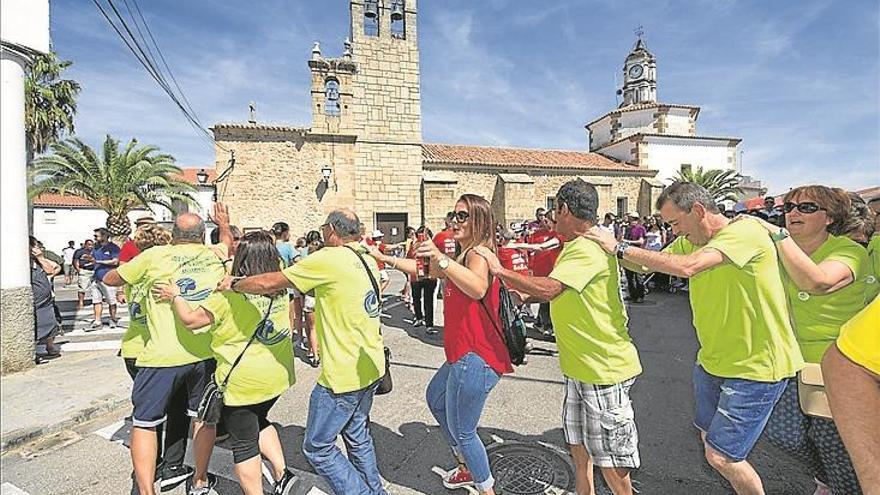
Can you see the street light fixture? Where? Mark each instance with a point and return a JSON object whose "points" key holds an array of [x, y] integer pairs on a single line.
{"points": [[202, 177], [326, 172]]}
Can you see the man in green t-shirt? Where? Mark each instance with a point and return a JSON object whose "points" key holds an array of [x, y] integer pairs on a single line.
{"points": [[596, 354], [748, 350], [173, 356], [352, 354]]}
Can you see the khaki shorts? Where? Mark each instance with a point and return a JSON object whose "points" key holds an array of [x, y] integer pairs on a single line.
{"points": [[85, 280], [100, 290]]}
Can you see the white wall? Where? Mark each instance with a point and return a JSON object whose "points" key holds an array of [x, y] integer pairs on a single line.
{"points": [[678, 122], [600, 133], [667, 155], [637, 121], [70, 224], [621, 151]]}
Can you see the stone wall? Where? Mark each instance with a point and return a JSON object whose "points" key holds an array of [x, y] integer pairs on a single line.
{"points": [[387, 179], [277, 176], [16, 329]]}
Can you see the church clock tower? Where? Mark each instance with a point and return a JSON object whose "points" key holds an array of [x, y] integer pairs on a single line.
{"points": [[639, 76]]}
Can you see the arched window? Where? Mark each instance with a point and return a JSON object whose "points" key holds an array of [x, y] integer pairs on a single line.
{"points": [[371, 17], [398, 19], [331, 97]]}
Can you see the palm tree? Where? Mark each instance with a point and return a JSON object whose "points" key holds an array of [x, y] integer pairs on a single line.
{"points": [[50, 102], [723, 185], [117, 182]]}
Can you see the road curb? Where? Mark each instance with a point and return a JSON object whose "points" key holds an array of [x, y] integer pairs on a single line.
{"points": [[98, 408]]}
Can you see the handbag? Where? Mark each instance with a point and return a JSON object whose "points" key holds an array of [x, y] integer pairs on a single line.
{"points": [[386, 383], [811, 392], [513, 328], [211, 403]]}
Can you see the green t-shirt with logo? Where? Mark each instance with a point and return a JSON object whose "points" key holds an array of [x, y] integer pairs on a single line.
{"points": [[740, 307], [589, 318], [266, 367], [135, 338], [817, 318], [346, 316], [195, 269], [873, 280]]}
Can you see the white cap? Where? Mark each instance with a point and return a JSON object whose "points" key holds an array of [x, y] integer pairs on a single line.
{"points": [[377, 233]]}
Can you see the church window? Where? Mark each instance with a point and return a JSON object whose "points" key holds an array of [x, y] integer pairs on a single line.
{"points": [[398, 19], [551, 203], [331, 97], [371, 18], [622, 206]]}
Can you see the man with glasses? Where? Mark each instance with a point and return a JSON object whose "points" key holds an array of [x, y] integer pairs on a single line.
{"points": [[770, 213], [106, 257], [748, 350]]}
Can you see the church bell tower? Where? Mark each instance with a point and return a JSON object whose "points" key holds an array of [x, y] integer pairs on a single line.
{"points": [[639, 76]]}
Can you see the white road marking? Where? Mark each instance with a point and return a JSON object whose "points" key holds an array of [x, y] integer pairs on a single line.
{"points": [[101, 345], [107, 331], [8, 488], [316, 491]]}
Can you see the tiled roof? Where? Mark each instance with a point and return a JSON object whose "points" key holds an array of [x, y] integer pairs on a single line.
{"points": [[265, 127], [522, 157], [643, 106], [71, 201], [869, 193]]}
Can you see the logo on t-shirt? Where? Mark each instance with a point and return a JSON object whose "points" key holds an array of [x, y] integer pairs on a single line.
{"points": [[371, 304], [187, 285], [265, 331], [136, 313]]}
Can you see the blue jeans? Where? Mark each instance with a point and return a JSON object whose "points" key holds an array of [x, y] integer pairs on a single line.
{"points": [[348, 414], [732, 412], [456, 396]]}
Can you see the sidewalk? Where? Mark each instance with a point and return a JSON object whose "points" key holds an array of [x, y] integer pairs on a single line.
{"points": [[62, 393]]}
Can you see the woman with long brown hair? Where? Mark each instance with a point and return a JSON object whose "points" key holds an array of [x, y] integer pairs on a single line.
{"points": [[476, 355], [825, 281]]}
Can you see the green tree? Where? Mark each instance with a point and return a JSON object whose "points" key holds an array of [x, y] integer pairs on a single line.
{"points": [[117, 182], [50, 102], [723, 185]]}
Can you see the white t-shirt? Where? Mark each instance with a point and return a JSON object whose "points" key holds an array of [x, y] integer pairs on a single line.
{"points": [[67, 254], [653, 241]]}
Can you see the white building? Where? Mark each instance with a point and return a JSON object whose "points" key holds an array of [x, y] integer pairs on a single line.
{"points": [[62, 218], [660, 136]]}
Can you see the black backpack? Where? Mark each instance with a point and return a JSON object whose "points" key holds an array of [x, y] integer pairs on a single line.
{"points": [[513, 328]]}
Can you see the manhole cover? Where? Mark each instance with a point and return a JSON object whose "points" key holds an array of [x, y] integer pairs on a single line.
{"points": [[530, 469]]}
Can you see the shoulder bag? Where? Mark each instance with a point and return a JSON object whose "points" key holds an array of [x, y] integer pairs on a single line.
{"points": [[211, 403], [386, 384], [811, 392]]}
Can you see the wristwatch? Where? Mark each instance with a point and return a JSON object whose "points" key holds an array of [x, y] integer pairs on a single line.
{"points": [[235, 280], [443, 263], [620, 249], [780, 235]]}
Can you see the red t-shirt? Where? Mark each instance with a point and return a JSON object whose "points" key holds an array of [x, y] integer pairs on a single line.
{"points": [[542, 262], [513, 259], [381, 246], [128, 251], [445, 242], [467, 327]]}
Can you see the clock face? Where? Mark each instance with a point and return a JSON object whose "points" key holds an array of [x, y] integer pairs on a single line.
{"points": [[636, 71]]}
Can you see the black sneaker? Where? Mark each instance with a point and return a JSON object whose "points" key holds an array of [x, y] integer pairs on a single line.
{"points": [[204, 490], [172, 476], [285, 485]]}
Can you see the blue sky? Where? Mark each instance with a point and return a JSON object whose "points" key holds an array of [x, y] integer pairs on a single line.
{"points": [[797, 80]]}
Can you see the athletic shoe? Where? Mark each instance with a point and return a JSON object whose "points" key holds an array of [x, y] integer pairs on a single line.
{"points": [[113, 323], [431, 330], [418, 322], [314, 361], [172, 476], [204, 490], [96, 324], [458, 478], [285, 485]]}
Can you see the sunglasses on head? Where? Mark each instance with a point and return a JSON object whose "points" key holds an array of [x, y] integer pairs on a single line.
{"points": [[805, 207], [461, 216]]}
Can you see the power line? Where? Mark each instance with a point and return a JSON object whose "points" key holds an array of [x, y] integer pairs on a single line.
{"points": [[146, 59]]}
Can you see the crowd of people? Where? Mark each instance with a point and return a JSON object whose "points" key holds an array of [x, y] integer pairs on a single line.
{"points": [[775, 295]]}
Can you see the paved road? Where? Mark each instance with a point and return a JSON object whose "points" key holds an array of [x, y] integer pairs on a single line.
{"points": [[524, 408]]}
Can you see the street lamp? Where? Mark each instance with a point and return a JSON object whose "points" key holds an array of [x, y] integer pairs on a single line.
{"points": [[326, 172], [202, 177]]}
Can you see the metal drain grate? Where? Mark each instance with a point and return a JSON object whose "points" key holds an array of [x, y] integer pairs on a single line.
{"points": [[530, 469]]}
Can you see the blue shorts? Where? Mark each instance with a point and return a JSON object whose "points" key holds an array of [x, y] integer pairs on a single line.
{"points": [[732, 412], [154, 387]]}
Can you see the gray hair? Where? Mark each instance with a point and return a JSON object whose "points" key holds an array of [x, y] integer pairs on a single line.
{"points": [[684, 195], [345, 223], [581, 198], [190, 232]]}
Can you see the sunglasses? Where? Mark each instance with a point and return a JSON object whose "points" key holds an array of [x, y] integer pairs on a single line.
{"points": [[805, 207], [461, 216]]}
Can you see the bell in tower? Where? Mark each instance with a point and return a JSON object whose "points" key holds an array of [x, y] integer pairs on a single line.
{"points": [[396, 10], [371, 9]]}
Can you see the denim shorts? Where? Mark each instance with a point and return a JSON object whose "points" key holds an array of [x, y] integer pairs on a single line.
{"points": [[154, 387], [732, 412]]}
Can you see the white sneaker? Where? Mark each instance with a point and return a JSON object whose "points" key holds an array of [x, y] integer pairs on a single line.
{"points": [[113, 323], [96, 324]]}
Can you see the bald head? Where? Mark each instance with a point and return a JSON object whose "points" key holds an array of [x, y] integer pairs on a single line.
{"points": [[342, 225], [189, 228]]}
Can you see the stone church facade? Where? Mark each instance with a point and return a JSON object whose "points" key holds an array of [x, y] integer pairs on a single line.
{"points": [[364, 148]]}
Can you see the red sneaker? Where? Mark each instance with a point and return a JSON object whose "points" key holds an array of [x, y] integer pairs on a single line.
{"points": [[460, 477]]}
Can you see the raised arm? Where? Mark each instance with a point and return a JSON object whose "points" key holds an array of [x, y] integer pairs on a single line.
{"points": [[221, 218]]}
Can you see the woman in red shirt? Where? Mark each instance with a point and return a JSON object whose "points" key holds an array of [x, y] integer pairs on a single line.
{"points": [[476, 356]]}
